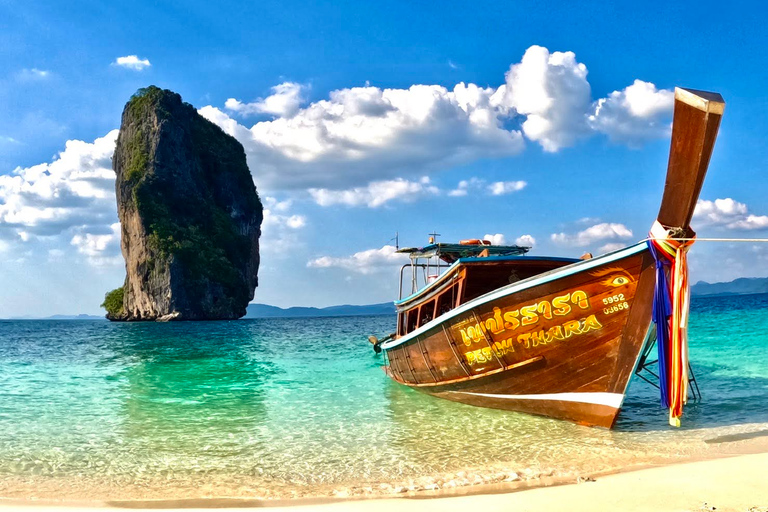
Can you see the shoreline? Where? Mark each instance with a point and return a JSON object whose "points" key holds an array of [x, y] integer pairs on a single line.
{"points": [[726, 481]]}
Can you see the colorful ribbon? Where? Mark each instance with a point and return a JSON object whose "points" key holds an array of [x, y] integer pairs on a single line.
{"points": [[671, 301]]}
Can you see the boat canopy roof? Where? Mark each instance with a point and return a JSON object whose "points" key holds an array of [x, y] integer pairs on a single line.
{"points": [[452, 252]]}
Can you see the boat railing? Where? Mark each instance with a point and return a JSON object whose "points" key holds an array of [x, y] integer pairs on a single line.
{"points": [[425, 268]]}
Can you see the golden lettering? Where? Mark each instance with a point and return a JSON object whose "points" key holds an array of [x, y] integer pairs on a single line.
{"points": [[495, 324], [510, 320], [473, 334], [561, 304], [555, 333], [545, 308], [538, 338], [529, 315], [591, 323], [525, 338], [580, 299], [503, 347], [572, 327]]}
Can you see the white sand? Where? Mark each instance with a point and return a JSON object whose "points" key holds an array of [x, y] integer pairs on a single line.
{"points": [[730, 484]]}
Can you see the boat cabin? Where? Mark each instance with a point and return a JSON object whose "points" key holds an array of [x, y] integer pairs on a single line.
{"points": [[443, 276]]}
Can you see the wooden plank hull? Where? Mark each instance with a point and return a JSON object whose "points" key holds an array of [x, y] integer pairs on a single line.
{"points": [[563, 344]]}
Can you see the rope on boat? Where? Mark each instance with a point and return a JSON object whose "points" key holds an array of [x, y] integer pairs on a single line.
{"points": [[671, 302], [676, 239]]}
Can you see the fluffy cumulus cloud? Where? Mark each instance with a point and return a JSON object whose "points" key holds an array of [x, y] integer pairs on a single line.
{"points": [[132, 62], [363, 262], [364, 134], [375, 194], [497, 239], [379, 193], [280, 228], [99, 249], [593, 234], [284, 101], [635, 114], [551, 91], [501, 188], [526, 241], [727, 213], [75, 190]]}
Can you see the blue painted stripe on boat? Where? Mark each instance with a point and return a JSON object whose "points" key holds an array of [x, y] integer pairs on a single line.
{"points": [[547, 277], [483, 259]]}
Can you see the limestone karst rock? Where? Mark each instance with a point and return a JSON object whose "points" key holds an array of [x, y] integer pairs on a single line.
{"points": [[189, 212]]}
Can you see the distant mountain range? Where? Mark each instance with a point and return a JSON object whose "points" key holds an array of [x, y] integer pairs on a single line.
{"points": [[266, 311], [61, 317], [741, 286]]}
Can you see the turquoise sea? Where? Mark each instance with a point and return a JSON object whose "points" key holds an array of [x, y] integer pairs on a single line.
{"points": [[300, 407]]}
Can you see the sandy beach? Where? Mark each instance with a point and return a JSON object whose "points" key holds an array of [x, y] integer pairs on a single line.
{"points": [[737, 483]]}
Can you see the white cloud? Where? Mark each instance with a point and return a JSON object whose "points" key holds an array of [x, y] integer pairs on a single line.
{"points": [[728, 213], [279, 230], [614, 246], [462, 189], [497, 239], [500, 188], [363, 134], [285, 101], [526, 241], [132, 62], [593, 234], [497, 188], [375, 194], [552, 91], [366, 134], [100, 249], [363, 262], [32, 75], [635, 114], [296, 221], [76, 189]]}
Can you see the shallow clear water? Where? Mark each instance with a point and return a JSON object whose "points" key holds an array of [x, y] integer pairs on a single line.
{"points": [[294, 407]]}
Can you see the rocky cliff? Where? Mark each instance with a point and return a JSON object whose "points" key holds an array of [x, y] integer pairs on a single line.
{"points": [[189, 211]]}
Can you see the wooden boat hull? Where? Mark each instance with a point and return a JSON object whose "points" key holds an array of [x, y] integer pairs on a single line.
{"points": [[563, 344]]}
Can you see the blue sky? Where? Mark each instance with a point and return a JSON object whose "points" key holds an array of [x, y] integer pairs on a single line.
{"points": [[544, 120]]}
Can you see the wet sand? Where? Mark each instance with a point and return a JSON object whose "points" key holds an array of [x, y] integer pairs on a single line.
{"points": [[737, 483]]}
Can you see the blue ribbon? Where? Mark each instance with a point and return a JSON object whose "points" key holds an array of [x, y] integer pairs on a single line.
{"points": [[662, 310]]}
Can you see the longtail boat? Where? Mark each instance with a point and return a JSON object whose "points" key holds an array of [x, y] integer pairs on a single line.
{"points": [[490, 326]]}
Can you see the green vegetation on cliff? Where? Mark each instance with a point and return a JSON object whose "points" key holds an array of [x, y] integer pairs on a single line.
{"points": [[113, 303]]}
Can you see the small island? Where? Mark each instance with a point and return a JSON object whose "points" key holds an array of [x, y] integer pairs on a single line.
{"points": [[189, 212]]}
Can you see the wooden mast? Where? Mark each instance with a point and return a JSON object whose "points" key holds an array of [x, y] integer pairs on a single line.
{"points": [[696, 121]]}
